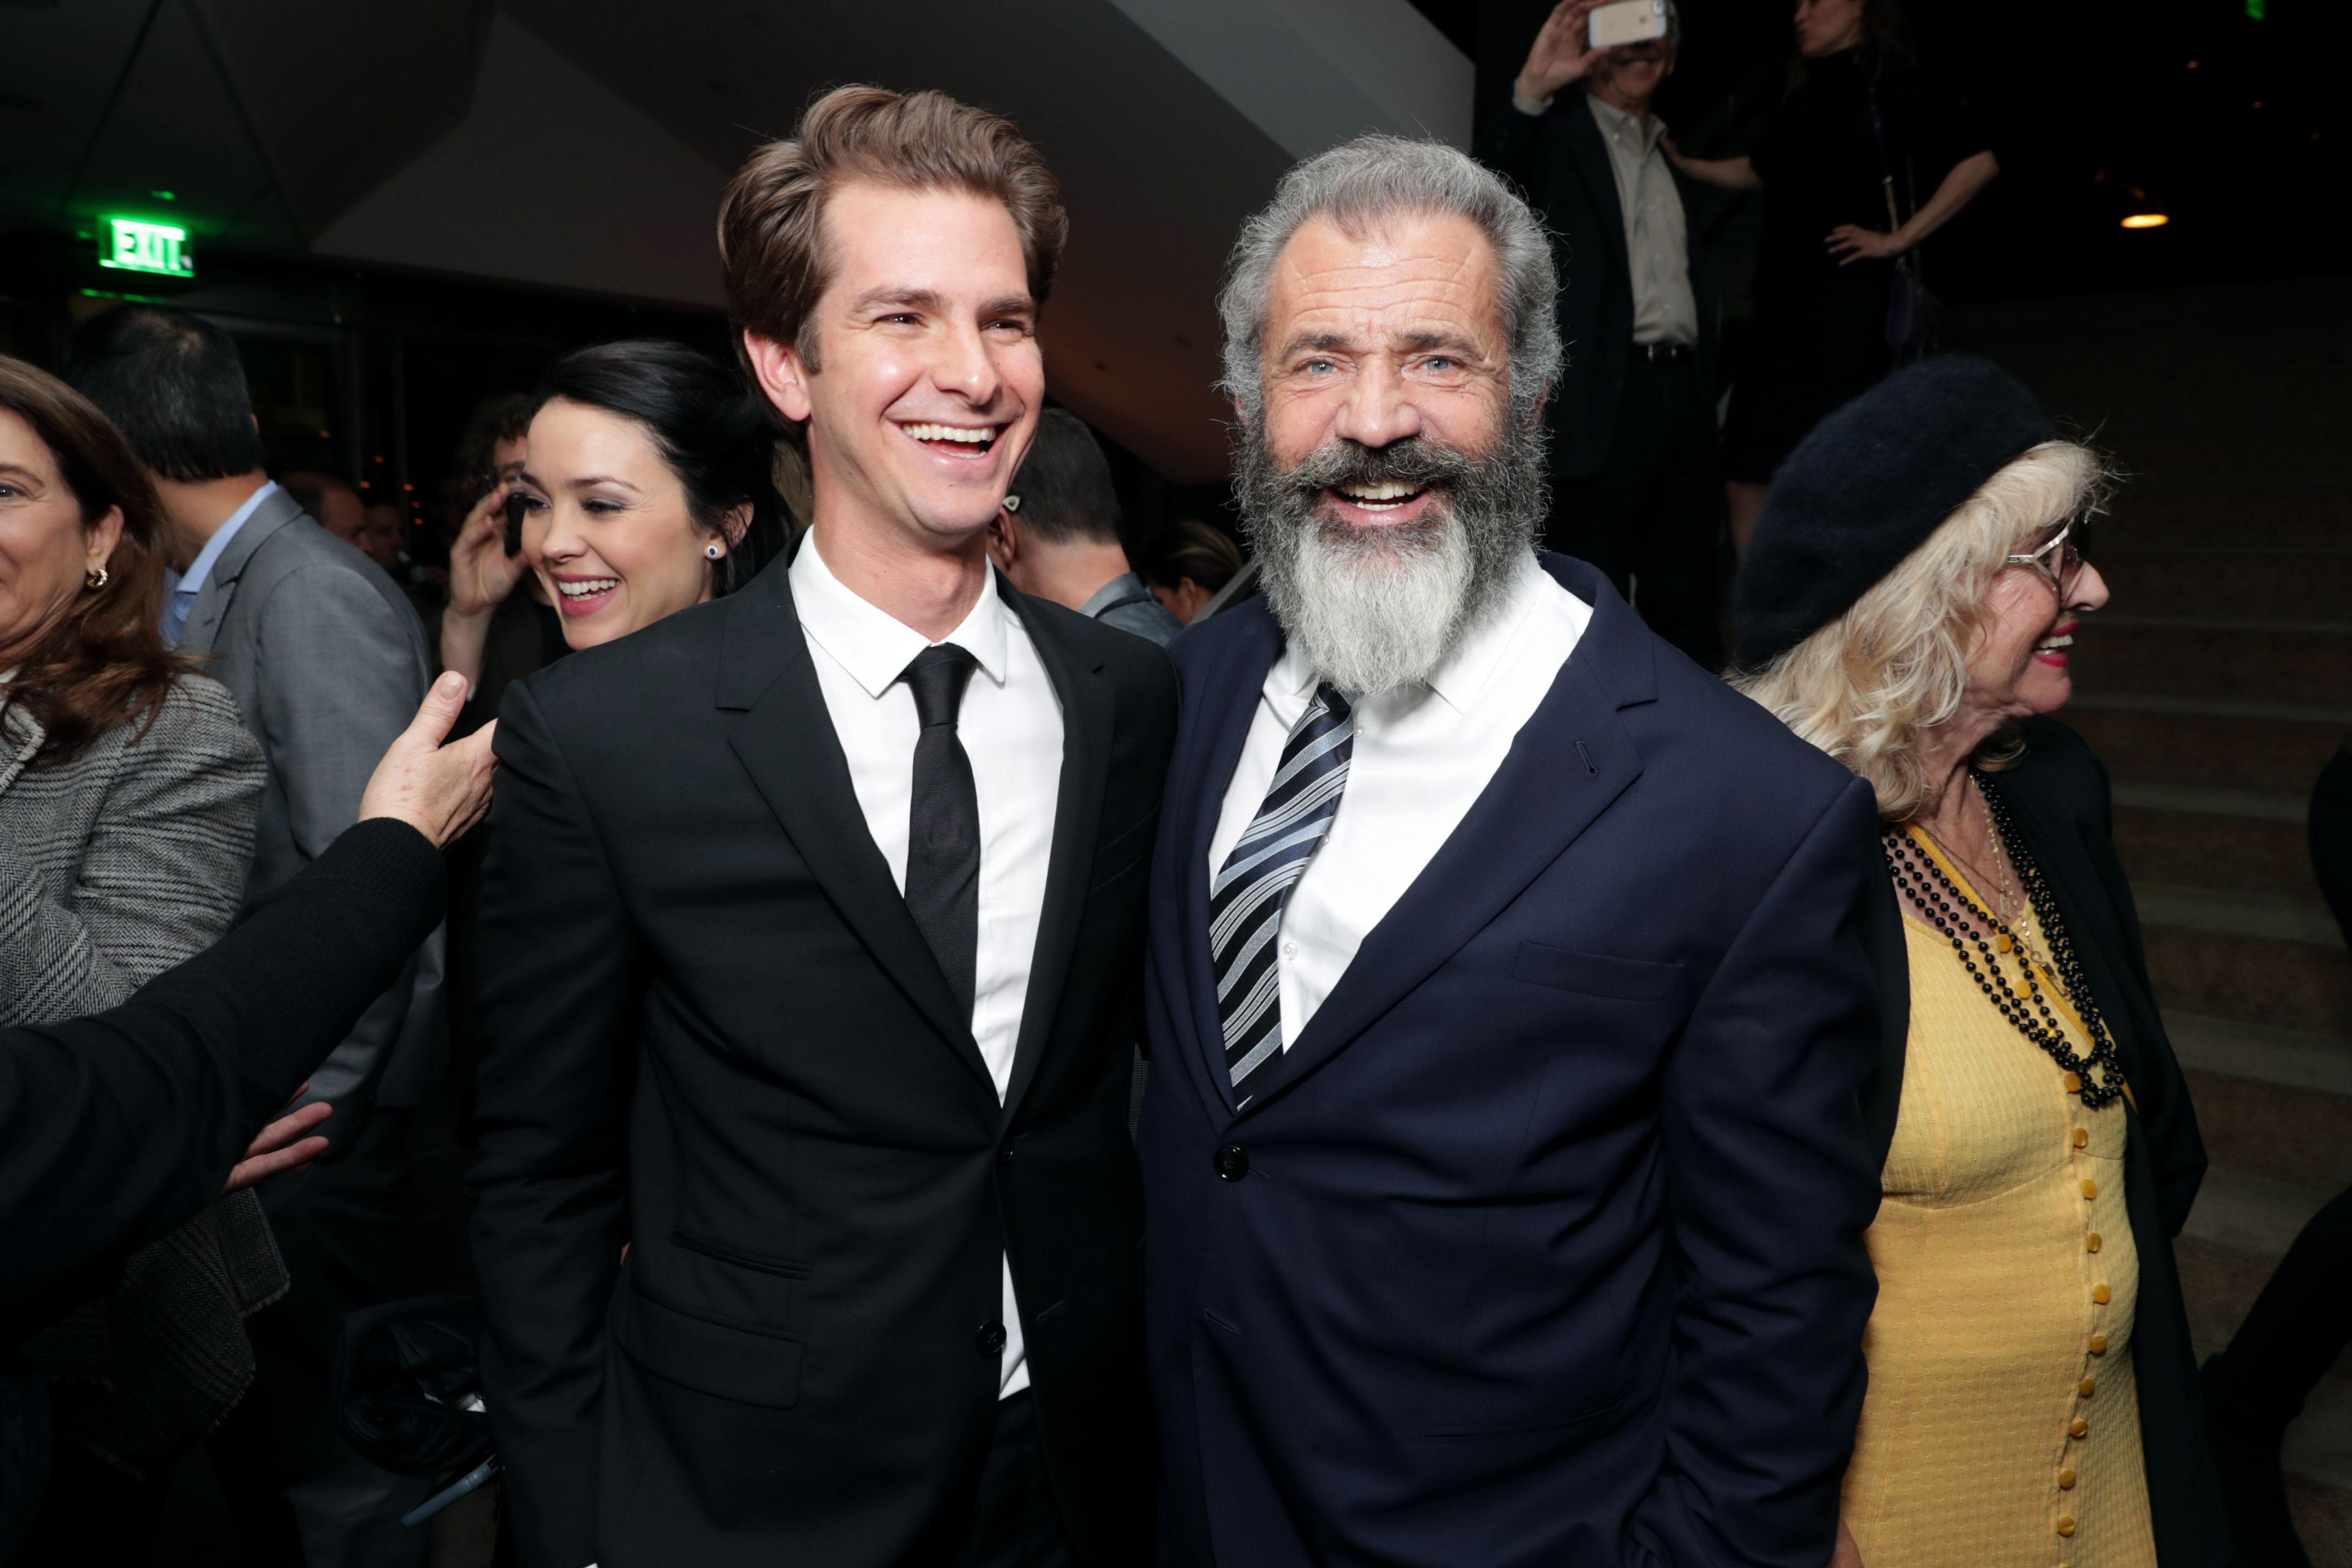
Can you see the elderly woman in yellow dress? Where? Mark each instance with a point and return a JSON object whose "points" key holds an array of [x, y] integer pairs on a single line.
{"points": [[1910, 606]]}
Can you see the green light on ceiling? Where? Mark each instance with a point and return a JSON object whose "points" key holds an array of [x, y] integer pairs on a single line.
{"points": [[132, 244], [2255, 9]]}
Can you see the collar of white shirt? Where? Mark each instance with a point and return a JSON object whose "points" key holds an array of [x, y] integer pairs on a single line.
{"points": [[1466, 672], [873, 644], [1617, 122]]}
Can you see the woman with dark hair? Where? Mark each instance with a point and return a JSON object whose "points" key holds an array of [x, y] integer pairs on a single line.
{"points": [[1861, 163], [646, 488], [1186, 563], [129, 790]]}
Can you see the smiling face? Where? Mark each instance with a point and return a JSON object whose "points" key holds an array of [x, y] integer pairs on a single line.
{"points": [[1391, 486], [926, 381], [1827, 27], [46, 549], [606, 526], [1392, 338], [1630, 74], [2019, 665]]}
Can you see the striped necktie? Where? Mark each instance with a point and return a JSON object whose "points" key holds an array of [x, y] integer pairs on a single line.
{"points": [[1246, 900]]}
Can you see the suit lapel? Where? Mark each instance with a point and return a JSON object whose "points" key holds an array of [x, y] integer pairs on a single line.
{"points": [[21, 735], [1570, 760], [213, 600], [1600, 176], [1088, 716], [783, 734]]}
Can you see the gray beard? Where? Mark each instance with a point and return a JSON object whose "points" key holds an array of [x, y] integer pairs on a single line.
{"points": [[1377, 610]]}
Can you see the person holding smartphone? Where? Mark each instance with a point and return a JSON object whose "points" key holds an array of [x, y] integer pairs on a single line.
{"points": [[488, 632], [1635, 464]]}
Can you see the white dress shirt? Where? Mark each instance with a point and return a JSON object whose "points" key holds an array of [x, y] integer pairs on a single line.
{"points": [[1011, 726], [1422, 757], [1657, 235]]}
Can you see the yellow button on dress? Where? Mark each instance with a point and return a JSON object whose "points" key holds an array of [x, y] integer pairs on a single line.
{"points": [[1994, 1433]]}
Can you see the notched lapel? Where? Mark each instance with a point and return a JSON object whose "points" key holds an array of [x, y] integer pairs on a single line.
{"points": [[213, 600], [1568, 764], [783, 734], [1088, 713]]}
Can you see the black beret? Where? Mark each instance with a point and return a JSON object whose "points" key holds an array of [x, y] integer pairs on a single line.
{"points": [[1867, 487]]}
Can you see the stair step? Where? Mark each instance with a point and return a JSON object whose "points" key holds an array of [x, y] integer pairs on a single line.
{"points": [[2218, 516], [2199, 835], [2310, 661], [2228, 743], [2256, 980], [2252, 1215], [2285, 1134], [2287, 584], [2270, 917], [2294, 1059]]}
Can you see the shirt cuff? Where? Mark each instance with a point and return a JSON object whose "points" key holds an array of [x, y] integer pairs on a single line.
{"points": [[1529, 106]]}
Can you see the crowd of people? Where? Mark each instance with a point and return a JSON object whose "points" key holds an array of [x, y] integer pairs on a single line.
{"points": [[1418, 1071]]}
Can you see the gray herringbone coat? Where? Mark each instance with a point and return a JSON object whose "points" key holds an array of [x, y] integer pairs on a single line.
{"points": [[114, 866]]}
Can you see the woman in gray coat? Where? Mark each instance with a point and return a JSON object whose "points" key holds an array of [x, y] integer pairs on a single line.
{"points": [[128, 794]]}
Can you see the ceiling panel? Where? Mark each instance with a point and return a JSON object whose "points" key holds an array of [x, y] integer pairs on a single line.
{"points": [[62, 64], [551, 179], [176, 126]]}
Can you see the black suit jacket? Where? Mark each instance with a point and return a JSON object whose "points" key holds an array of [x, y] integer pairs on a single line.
{"points": [[1559, 160], [116, 1129], [713, 1033], [1543, 1245]]}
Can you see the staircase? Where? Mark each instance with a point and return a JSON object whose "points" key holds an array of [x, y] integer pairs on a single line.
{"points": [[2216, 686]]}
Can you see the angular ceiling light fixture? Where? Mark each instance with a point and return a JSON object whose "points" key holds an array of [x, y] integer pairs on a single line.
{"points": [[133, 245]]}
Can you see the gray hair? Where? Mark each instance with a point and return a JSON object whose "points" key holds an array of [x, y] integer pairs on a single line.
{"points": [[1355, 184]]}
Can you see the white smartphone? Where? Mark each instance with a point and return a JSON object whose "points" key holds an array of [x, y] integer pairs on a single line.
{"points": [[1626, 22]]}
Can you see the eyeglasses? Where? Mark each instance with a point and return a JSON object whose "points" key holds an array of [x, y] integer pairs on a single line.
{"points": [[2060, 561]]}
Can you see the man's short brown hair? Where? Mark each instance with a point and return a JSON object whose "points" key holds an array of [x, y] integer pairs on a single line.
{"points": [[771, 236]]}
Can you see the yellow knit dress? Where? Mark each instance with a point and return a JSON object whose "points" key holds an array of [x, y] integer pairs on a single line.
{"points": [[2003, 1425]]}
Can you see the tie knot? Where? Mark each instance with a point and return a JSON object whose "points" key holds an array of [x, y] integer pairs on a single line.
{"points": [[937, 676]]}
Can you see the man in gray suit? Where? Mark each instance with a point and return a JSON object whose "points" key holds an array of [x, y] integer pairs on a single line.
{"points": [[327, 663]]}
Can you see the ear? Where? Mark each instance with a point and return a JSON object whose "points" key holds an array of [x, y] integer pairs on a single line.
{"points": [[100, 538], [783, 376], [1004, 541], [735, 524]]}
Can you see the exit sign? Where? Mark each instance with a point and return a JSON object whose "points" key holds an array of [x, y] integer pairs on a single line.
{"points": [[130, 246]]}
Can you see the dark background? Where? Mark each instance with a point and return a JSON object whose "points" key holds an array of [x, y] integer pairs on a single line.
{"points": [[2228, 124]]}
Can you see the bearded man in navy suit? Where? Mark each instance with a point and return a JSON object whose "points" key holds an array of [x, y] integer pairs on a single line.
{"points": [[1505, 1170]]}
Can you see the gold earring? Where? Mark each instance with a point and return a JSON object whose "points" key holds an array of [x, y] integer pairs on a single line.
{"points": [[94, 579]]}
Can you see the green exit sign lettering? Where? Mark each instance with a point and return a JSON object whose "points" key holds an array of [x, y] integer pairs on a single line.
{"points": [[129, 244]]}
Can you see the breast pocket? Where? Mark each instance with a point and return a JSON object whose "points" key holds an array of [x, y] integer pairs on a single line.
{"points": [[1596, 974]]}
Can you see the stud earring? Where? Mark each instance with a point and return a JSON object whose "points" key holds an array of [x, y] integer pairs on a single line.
{"points": [[713, 552], [94, 579]]}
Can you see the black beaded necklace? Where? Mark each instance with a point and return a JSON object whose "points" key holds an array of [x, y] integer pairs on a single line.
{"points": [[1963, 923]]}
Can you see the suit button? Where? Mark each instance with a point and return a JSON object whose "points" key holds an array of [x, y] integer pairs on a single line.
{"points": [[1232, 1162], [991, 1339], [1005, 1153]]}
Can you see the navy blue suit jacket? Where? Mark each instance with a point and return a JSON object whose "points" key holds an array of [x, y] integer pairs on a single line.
{"points": [[1549, 1247]]}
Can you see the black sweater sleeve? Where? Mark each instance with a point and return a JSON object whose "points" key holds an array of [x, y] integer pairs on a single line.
{"points": [[116, 1128]]}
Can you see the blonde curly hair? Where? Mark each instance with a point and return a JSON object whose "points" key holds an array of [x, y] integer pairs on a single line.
{"points": [[1868, 686]]}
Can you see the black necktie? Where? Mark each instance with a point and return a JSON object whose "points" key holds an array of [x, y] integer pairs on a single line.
{"points": [[943, 821]]}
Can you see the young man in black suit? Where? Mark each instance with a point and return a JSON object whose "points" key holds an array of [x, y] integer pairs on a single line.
{"points": [[811, 948], [1636, 466]]}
